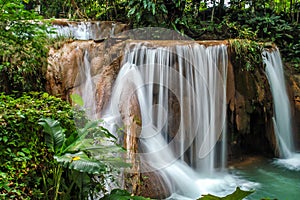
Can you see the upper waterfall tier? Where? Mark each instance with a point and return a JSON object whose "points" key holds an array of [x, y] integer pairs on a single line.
{"points": [[86, 30]]}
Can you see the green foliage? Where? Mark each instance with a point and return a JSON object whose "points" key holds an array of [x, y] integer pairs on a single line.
{"points": [[81, 150], [35, 165], [118, 194], [24, 155], [260, 20], [77, 100], [247, 54], [238, 194], [23, 50], [85, 9], [262, 23], [90, 150]]}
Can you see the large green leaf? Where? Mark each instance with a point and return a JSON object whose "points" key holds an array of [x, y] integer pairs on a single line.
{"points": [[110, 154], [84, 153], [116, 162], [81, 162], [238, 194], [55, 136], [118, 194], [88, 126], [77, 99], [84, 138]]}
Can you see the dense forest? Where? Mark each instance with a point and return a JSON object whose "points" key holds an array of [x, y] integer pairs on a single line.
{"points": [[37, 153], [260, 20]]}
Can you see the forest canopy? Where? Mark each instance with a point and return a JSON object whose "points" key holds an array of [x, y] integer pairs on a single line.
{"points": [[260, 20]]}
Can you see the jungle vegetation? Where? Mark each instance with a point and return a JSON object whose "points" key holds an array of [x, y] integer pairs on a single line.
{"points": [[259, 20], [39, 140]]}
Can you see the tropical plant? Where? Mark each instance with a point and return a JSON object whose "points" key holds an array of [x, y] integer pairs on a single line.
{"points": [[238, 194], [92, 150], [24, 155], [118, 194]]}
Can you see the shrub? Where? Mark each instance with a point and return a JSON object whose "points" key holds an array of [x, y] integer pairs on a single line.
{"points": [[23, 50], [24, 155]]}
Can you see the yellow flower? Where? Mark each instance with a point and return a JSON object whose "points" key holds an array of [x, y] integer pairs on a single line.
{"points": [[75, 158]]}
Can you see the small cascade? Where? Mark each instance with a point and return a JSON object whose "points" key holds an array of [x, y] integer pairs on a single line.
{"points": [[282, 114], [181, 92], [86, 30], [86, 87], [282, 117], [80, 30]]}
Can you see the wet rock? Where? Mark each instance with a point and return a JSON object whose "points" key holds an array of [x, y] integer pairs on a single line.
{"points": [[153, 186], [249, 102], [242, 118], [294, 80]]}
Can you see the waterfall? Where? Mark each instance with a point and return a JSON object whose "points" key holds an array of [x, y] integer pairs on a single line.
{"points": [[86, 86], [80, 30], [87, 30], [181, 92], [282, 115]]}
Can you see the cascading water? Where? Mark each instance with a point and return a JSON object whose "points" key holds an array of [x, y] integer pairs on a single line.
{"points": [[81, 30], [181, 92], [282, 114], [86, 87], [90, 30]]}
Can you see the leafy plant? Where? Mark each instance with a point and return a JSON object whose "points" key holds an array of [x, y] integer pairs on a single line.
{"points": [[238, 194], [23, 50], [24, 155], [118, 194], [247, 53], [82, 151]]}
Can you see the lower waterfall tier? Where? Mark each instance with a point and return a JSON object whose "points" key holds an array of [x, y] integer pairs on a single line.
{"points": [[168, 98]]}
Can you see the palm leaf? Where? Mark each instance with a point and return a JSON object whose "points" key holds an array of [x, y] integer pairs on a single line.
{"points": [[118, 194], [79, 145], [104, 149], [116, 162], [55, 136], [81, 162], [238, 194], [88, 126], [107, 133]]}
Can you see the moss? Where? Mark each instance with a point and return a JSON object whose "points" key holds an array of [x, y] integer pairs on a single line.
{"points": [[247, 53]]}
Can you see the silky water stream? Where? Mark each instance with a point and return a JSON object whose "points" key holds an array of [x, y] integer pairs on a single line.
{"points": [[181, 96], [289, 158], [181, 93]]}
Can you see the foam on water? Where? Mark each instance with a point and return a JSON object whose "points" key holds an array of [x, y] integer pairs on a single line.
{"points": [[291, 163], [220, 185]]}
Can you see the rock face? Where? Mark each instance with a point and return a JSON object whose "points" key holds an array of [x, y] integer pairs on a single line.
{"points": [[249, 102], [294, 82], [64, 65], [249, 112]]}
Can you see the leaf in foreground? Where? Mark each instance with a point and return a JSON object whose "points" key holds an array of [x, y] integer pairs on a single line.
{"points": [[118, 194], [238, 194]]}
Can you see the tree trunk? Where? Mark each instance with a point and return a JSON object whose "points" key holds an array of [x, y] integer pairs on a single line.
{"points": [[213, 11], [221, 7]]}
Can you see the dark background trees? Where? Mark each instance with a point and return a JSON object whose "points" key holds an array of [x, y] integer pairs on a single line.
{"points": [[260, 20]]}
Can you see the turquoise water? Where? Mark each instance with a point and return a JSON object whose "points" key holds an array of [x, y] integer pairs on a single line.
{"points": [[275, 181]]}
